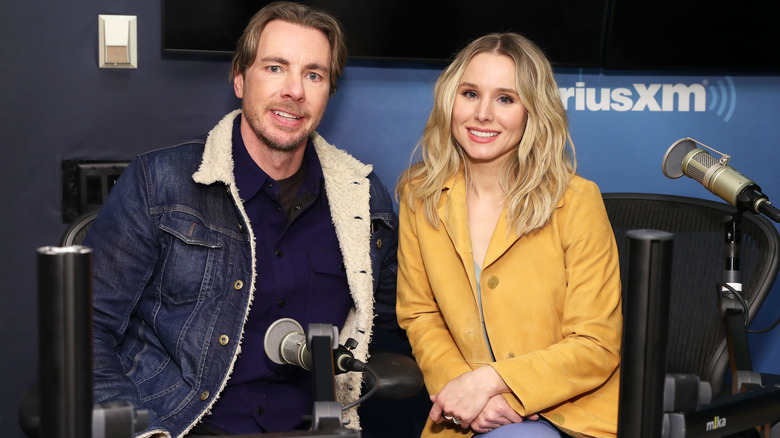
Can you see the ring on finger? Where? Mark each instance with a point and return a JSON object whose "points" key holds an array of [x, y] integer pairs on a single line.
{"points": [[455, 420]]}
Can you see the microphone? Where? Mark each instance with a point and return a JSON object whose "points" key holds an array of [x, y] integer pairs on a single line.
{"points": [[285, 344], [684, 157]]}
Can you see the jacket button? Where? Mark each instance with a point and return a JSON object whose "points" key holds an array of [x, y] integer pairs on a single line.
{"points": [[204, 395], [260, 410], [379, 243], [279, 253], [492, 282], [558, 418], [224, 339], [510, 355], [238, 284]]}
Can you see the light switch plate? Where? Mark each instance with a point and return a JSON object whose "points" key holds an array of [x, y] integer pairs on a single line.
{"points": [[117, 41]]}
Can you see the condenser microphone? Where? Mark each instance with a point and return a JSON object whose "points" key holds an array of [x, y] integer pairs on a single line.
{"points": [[285, 344], [685, 157]]}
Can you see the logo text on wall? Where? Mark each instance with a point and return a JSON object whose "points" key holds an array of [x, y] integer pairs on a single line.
{"points": [[722, 97]]}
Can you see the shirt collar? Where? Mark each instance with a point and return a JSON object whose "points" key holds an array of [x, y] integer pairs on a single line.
{"points": [[250, 178]]}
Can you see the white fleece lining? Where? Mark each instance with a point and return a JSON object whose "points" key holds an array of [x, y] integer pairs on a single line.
{"points": [[348, 191]]}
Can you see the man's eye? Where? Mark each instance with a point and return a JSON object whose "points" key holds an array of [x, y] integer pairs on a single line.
{"points": [[274, 69], [314, 77]]}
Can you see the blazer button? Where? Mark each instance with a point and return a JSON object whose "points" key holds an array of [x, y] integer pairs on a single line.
{"points": [[238, 285], [224, 339], [510, 355], [379, 243], [204, 395], [492, 282], [558, 418]]}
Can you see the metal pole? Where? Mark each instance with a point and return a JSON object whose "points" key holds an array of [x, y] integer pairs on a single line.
{"points": [[645, 328], [65, 341]]}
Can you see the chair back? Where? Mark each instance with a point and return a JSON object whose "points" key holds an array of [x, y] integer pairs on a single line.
{"points": [[697, 335], [77, 230]]}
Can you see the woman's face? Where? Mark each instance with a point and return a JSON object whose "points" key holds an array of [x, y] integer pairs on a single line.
{"points": [[488, 120]]}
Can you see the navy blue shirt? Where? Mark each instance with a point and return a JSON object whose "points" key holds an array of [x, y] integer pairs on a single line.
{"points": [[300, 275]]}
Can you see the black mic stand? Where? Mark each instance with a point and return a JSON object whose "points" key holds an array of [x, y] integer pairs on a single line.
{"points": [[732, 311], [327, 412], [753, 403], [326, 415]]}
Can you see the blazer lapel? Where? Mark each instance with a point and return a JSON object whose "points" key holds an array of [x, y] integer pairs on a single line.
{"points": [[454, 217], [503, 238]]}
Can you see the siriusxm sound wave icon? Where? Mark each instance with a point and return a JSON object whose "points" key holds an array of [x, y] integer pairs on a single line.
{"points": [[724, 98]]}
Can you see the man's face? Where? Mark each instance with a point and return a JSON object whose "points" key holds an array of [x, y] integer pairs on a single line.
{"points": [[286, 89]]}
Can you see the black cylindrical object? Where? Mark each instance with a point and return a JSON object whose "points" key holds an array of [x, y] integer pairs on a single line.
{"points": [[65, 341], [645, 329]]}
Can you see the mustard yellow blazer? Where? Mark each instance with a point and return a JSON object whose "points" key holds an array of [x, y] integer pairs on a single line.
{"points": [[551, 302]]}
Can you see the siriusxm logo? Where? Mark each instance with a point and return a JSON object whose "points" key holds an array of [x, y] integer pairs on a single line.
{"points": [[716, 423], [654, 97]]}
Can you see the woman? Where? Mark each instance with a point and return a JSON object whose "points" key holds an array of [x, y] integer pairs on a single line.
{"points": [[508, 283]]}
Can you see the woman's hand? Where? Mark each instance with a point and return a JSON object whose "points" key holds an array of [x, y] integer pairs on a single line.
{"points": [[496, 413], [465, 397]]}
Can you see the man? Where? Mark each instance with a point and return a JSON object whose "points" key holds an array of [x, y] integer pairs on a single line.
{"points": [[202, 246]]}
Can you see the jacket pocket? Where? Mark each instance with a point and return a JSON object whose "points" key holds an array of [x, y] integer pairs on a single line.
{"points": [[190, 259]]}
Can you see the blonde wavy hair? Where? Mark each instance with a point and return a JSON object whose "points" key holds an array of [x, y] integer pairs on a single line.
{"points": [[536, 176]]}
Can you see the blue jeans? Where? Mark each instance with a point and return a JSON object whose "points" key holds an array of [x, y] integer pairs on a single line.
{"points": [[526, 429]]}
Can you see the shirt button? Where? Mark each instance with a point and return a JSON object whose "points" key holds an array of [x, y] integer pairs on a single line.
{"points": [[224, 339], [238, 284], [492, 282], [281, 303], [279, 253], [379, 243], [260, 410], [297, 206], [204, 395]]}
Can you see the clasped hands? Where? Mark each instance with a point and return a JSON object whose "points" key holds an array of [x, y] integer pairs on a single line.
{"points": [[473, 400]]}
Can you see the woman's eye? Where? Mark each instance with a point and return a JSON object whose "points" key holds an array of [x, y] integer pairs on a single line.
{"points": [[470, 94], [505, 99]]}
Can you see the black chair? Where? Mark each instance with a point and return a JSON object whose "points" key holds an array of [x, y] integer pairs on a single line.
{"points": [[697, 335], [77, 230]]}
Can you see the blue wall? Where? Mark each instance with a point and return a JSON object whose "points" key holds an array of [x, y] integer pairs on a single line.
{"points": [[56, 104]]}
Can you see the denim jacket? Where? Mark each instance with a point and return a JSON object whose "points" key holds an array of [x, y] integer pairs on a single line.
{"points": [[173, 268]]}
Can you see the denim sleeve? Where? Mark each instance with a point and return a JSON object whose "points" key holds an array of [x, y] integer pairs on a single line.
{"points": [[124, 255], [384, 246]]}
